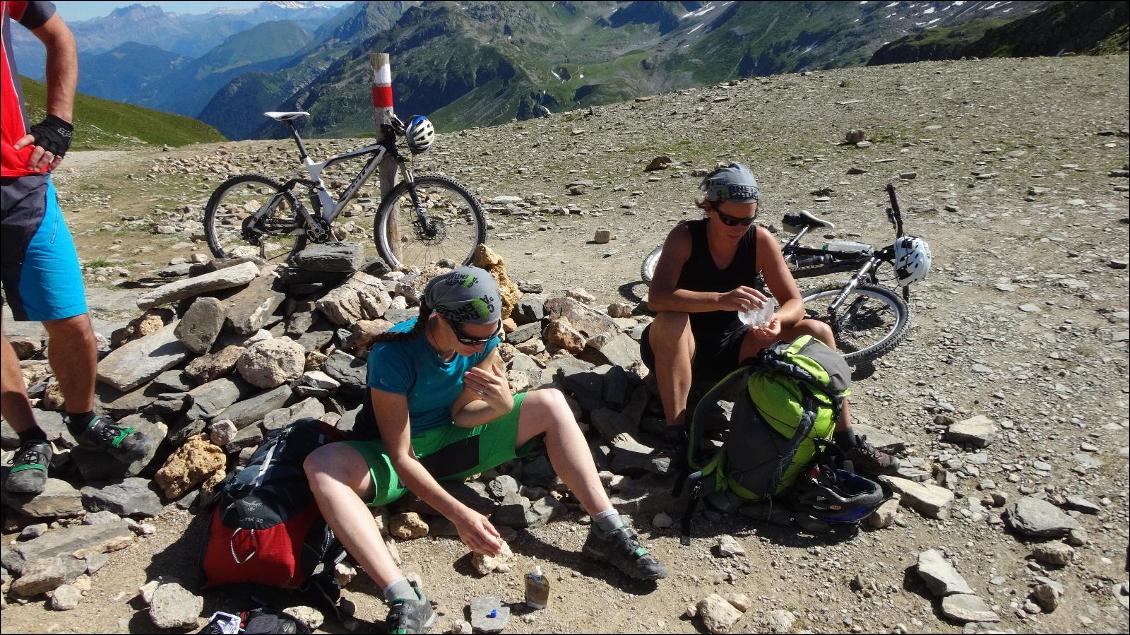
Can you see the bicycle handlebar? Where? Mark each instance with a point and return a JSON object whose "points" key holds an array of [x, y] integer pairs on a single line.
{"points": [[894, 213]]}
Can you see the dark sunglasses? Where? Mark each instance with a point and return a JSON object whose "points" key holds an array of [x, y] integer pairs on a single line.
{"points": [[734, 221], [467, 340]]}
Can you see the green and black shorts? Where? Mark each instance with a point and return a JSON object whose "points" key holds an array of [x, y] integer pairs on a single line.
{"points": [[449, 452]]}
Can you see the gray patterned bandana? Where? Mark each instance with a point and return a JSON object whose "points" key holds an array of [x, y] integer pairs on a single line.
{"points": [[467, 295]]}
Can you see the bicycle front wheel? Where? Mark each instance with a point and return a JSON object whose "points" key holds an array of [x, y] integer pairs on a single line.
{"points": [[869, 324], [431, 221], [276, 234]]}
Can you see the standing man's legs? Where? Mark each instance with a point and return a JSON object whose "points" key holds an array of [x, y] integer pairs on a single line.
{"points": [[43, 282]]}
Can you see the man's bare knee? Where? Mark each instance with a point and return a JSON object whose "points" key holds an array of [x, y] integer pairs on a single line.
{"points": [[71, 331]]}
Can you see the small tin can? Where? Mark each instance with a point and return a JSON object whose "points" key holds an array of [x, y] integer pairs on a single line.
{"points": [[537, 589]]}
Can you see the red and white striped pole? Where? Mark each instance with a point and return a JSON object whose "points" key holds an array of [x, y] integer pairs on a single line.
{"points": [[382, 106]]}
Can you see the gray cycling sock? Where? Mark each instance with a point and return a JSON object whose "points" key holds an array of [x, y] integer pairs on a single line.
{"points": [[400, 589], [608, 521]]}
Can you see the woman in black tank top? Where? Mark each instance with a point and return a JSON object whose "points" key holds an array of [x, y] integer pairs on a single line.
{"points": [[709, 271]]}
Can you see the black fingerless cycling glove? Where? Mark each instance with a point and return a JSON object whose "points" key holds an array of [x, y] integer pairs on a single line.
{"points": [[53, 135]]}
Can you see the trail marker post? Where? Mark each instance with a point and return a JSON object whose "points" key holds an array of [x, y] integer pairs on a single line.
{"points": [[382, 105]]}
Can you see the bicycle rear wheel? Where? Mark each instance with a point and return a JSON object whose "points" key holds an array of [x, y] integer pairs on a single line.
{"points": [[279, 232], [443, 226], [647, 268], [869, 324]]}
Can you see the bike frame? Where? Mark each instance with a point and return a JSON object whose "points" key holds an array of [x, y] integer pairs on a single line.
{"points": [[331, 209]]}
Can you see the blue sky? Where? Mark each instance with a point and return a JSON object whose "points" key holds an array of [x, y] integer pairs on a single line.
{"points": [[75, 11]]}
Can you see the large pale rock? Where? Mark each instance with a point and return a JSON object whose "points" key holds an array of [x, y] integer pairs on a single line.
{"points": [[587, 320], [926, 499], [175, 607], [362, 297], [1038, 518], [977, 431], [939, 575], [193, 463], [228, 278], [143, 359], [272, 363], [249, 309], [965, 608], [211, 367], [201, 325], [717, 614], [485, 258]]}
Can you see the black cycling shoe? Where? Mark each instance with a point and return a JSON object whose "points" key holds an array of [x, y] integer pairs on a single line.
{"points": [[124, 444], [28, 475], [673, 443], [411, 616], [622, 549], [868, 460]]}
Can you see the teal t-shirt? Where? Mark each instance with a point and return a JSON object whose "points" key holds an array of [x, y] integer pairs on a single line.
{"points": [[413, 369]]}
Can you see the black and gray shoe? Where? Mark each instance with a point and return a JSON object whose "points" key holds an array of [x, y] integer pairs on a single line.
{"points": [[124, 444], [411, 616], [868, 460], [28, 475], [622, 549]]}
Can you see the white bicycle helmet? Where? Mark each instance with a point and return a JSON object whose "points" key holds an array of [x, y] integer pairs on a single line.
{"points": [[912, 260], [419, 134]]}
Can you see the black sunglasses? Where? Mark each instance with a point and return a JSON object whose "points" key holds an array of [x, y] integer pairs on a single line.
{"points": [[734, 221], [474, 341]]}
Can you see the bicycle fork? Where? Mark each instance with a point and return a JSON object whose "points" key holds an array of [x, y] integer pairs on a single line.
{"points": [[426, 229], [848, 288]]}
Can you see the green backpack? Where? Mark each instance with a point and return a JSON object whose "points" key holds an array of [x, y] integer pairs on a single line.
{"points": [[786, 404]]}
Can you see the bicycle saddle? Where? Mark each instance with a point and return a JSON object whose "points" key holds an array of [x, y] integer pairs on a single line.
{"points": [[794, 222], [286, 116]]}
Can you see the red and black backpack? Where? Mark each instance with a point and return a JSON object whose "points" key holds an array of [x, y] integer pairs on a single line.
{"points": [[266, 528]]}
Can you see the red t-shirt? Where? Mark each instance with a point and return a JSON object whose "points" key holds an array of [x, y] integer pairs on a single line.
{"points": [[13, 120]]}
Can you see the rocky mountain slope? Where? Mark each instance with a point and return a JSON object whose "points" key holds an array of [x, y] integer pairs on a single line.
{"points": [[485, 63], [1020, 332], [1062, 28]]}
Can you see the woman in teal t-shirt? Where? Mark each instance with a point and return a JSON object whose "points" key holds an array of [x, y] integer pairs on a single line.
{"points": [[444, 411]]}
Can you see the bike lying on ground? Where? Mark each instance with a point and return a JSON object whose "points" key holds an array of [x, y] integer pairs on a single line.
{"points": [[868, 319], [424, 220]]}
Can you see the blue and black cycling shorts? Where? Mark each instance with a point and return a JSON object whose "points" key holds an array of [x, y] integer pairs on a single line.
{"points": [[38, 262]]}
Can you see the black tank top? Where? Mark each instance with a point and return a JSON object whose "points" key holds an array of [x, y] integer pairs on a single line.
{"points": [[701, 274]]}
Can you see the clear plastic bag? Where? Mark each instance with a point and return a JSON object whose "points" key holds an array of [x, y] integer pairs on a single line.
{"points": [[757, 318]]}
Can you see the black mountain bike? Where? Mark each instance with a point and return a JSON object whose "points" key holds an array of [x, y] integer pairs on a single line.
{"points": [[868, 318], [437, 220]]}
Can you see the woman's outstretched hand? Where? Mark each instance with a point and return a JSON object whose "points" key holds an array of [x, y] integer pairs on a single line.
{"points": [[476, 531]]}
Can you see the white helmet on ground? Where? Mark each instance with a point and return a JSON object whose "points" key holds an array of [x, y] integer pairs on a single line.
{"points": [[912, 260], [419, 134]]}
